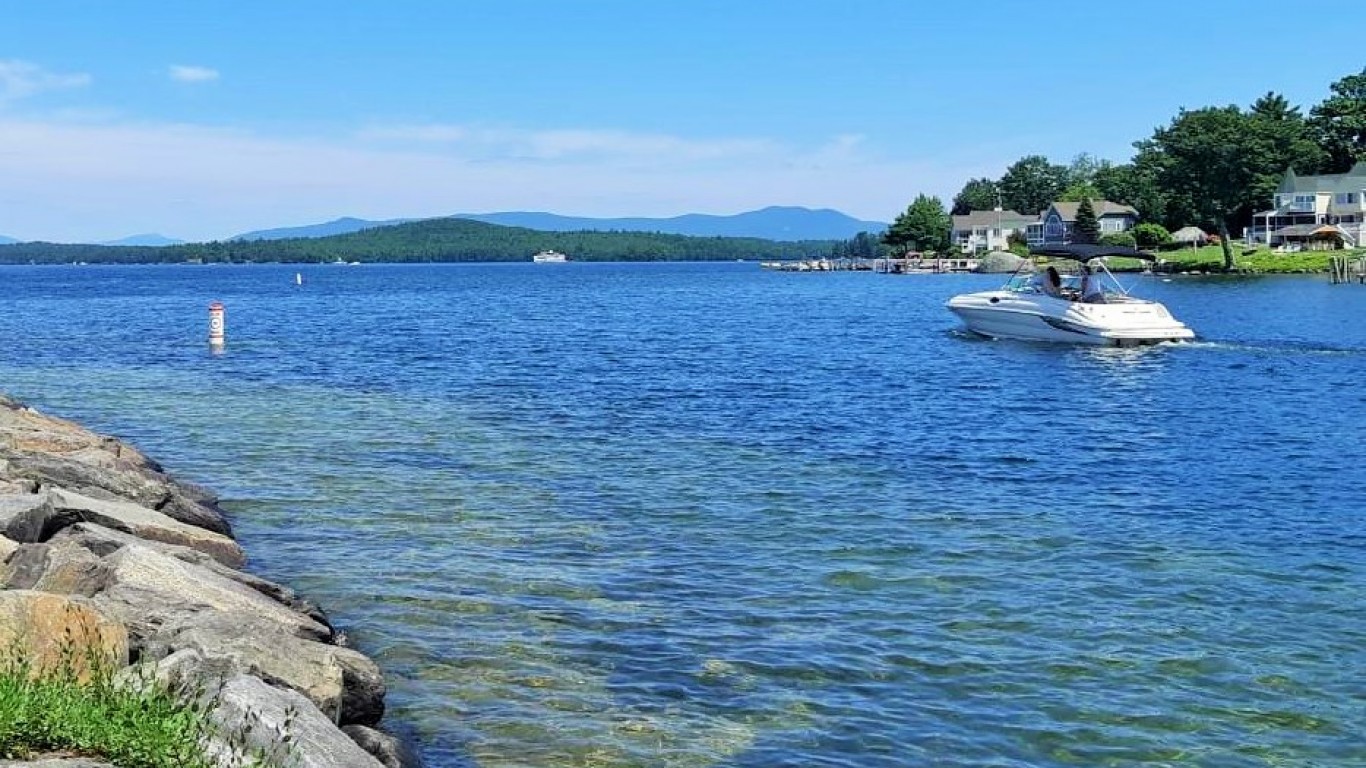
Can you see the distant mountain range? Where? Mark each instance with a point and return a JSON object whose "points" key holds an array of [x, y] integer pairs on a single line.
{"points": [[343, 226], [774, 223], [150, 238]]}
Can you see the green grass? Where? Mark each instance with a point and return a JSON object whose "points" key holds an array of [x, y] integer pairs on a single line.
{"points": [[1210, 258], [63, 712]]}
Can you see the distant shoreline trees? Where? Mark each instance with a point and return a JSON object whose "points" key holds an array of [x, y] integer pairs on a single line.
{"points": [[428, 241]]}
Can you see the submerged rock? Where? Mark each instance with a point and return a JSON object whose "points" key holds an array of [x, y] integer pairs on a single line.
{"points": [[388, 749]]}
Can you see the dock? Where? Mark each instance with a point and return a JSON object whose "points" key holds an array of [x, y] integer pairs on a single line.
{"points": [[914, 266], [1345, 269]]}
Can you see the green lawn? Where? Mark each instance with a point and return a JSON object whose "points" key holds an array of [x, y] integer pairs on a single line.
{"points": [[1211, 258]]}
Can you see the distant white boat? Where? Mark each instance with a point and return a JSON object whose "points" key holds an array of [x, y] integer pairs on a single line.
{"points": [[550, 257], [298, 278]]}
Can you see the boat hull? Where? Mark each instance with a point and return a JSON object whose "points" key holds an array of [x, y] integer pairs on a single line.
{"points": [[1034, 317]]}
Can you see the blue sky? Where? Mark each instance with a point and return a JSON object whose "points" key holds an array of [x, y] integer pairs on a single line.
{"points": [[202, 120]]}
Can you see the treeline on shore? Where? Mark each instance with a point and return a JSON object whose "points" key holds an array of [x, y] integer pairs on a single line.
{"points": [[1212, 167], [430, 240]]}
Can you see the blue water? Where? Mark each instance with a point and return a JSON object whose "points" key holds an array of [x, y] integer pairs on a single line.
{"points": [[707, 515]]}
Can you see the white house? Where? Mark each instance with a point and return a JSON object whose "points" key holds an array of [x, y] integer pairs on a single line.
{"points": [[1331, 206], [981, 231]]}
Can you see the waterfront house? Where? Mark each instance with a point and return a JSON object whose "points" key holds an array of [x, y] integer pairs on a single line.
{"points": [[982, 231], [1055, 224], [1328, 209]]}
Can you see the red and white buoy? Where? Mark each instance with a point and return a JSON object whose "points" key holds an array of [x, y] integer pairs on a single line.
{"points": [[216, 337]]}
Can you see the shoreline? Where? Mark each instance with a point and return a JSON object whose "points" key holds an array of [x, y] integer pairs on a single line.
{"points": [[90, 522]]}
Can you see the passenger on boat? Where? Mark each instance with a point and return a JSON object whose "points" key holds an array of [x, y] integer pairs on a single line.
{"points": [[1049, 282]]}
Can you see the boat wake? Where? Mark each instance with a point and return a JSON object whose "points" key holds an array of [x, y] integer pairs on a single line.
{"points": [[1269, 347]]}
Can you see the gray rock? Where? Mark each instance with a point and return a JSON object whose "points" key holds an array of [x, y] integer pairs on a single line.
{"points": [[125, 482], [390, 750], [148, 589], [251, 716], [66, 507], [14, 505], [84, 477], [344, 684], [999, 262], [105, 541], [262, 717], [63, 568]]}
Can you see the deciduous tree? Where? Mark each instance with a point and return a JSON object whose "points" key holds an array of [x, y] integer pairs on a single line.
{"points": [[1031, 184], [1339, 123], [1203, 152], [924, 225], [977, 195]]}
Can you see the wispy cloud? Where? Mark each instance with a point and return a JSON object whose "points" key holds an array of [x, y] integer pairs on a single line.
{"points": [[186, 74], [97, 178], [568, 145], [19, 79]]}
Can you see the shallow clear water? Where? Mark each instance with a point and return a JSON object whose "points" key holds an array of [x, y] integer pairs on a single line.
{"points": [[707, 515]]}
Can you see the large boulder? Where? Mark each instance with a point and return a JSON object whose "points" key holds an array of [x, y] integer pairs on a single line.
{"points": [[344, 684], [999, 262], [142, 486], [39, 449], [148, 589], [104, 541], [64, 508], [50, 632], [63, 568], [250, 715], [19, 505], [280, 722]]}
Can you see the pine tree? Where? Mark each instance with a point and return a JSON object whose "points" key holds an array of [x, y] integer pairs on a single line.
{"points": [[1087, 228]]}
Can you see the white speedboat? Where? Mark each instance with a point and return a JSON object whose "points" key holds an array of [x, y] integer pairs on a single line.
{"points": [[1088, 308], [549, 257]]}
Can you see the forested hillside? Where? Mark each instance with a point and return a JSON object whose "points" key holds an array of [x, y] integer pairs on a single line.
{"points": [[431, 240]]}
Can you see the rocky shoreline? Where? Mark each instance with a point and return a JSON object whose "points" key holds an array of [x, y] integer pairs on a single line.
{"points": [[100, 544]]}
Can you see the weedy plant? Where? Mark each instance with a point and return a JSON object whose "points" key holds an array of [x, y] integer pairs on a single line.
{"points": [[78, 706]]}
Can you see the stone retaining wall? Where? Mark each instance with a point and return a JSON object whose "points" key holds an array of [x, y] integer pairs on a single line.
{"points": [[99, 542]]}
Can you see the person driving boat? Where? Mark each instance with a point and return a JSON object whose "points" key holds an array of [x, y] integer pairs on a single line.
{"points": [[1092, 287]]}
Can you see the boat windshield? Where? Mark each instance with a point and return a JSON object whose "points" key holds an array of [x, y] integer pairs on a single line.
{"points": [[1093, 283]]}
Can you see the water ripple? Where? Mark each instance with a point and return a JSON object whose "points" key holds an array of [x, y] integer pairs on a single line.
{"points": [[704, 515]]}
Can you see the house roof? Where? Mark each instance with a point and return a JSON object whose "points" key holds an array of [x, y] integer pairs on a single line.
{"points": [[1351, 181], [1068, 211], [1309, 230], [1009, 220]]}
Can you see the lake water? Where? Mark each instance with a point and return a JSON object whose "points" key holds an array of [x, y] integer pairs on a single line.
{"points": [[708, 515]]}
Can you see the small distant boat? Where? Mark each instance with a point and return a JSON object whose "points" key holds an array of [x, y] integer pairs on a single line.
{"points": [[298, 278], [550, 257]]}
